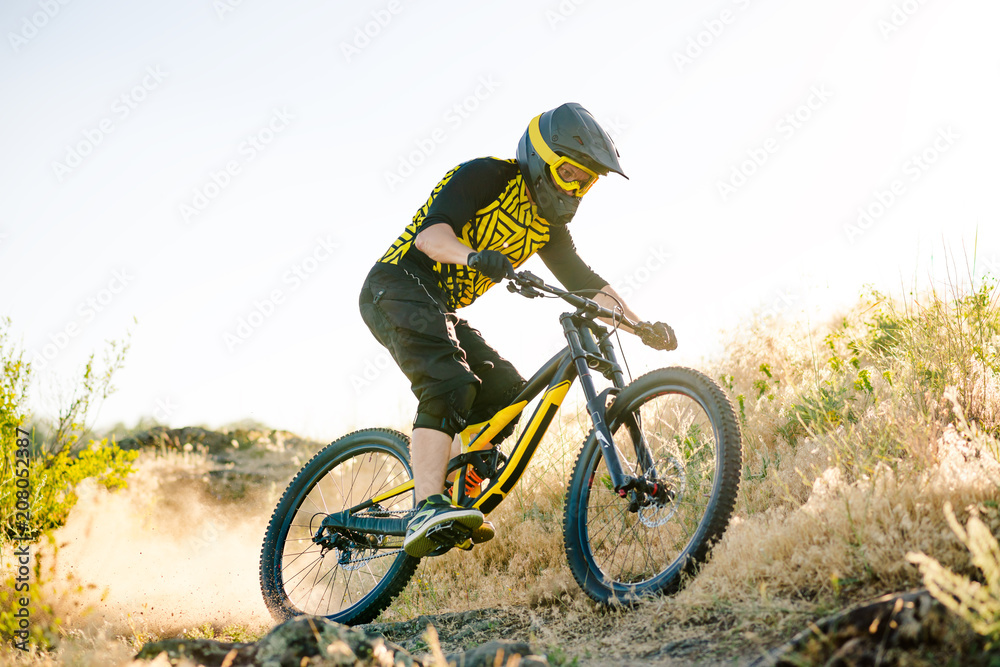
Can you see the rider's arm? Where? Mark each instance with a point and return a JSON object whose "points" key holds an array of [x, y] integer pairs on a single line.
{"points": [[440, 244], [561, 258], [473, 185], [608, 302]]}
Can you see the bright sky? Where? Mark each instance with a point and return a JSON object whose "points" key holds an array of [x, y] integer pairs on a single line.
{"points": [[217, 176]]}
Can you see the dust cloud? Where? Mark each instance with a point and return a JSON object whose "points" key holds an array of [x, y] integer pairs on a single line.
{"points": [[162, 555]]}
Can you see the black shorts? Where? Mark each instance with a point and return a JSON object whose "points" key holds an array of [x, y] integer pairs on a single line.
{"points": [[436, 349]]}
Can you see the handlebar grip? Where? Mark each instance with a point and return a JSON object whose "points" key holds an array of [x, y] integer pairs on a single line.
{"points": [[659, 336]]}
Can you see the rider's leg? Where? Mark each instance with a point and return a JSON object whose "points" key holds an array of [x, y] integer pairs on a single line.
{"points": [[439, 418], [456, 449], [430, 453], [500, 380], [419, 331]]}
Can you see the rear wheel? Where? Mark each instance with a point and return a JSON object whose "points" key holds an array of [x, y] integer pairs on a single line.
{"points": [[676, 427], [354, 583]]}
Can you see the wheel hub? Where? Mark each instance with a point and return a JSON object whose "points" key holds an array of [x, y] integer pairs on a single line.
{"points": [[659, 510]]}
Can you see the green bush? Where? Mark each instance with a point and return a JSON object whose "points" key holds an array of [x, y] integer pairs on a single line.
{"points": [[60, 464], [15, 374], [892, 351], [45, 625], [52, 484]]}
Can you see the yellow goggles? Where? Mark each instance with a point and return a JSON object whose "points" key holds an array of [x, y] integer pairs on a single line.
{"points": [[573, 176], [567, 173]]}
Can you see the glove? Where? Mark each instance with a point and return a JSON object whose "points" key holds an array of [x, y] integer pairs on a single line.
{"points": [[491, 263], [658, 336]]}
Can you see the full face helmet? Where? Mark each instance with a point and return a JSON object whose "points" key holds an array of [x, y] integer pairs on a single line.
{"points": [[561, 155]]}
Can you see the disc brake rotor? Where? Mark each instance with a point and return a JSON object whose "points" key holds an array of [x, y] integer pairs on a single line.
{"points": [[657, 513]]}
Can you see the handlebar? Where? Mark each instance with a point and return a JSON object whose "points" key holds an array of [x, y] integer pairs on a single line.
{"points": [[530, 286]]}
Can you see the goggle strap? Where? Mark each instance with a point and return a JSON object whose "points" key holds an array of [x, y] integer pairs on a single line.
{"points": [[542, 148]]}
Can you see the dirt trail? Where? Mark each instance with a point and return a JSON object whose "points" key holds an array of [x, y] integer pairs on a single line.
{"points": [[592, 641], [178, 551]]}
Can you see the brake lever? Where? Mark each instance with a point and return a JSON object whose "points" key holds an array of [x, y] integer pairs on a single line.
{"points": [[524, 290], [529, 277]]}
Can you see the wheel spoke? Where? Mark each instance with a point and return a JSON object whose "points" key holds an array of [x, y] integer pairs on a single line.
{"points": [[335, 577], [673, 440]]}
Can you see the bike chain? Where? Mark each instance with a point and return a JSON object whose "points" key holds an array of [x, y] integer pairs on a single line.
{"points": [[380, 514], [360, 561]]}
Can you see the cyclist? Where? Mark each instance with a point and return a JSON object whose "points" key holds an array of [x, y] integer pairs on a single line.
{"points": [[484, 218]]}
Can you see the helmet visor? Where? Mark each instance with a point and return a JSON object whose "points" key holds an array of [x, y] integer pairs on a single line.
{"points": [[572, 176]]}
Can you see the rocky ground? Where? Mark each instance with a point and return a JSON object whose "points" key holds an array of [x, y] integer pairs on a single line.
{"points": [[244, 465], [910, 629]]}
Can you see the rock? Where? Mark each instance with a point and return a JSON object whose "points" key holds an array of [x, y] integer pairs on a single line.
{"points": [[202, 651], [857, 636], [338, 645], [315, 641], [854, 653], [176, 438], [304, 640], [214, 442], [497, 652]]}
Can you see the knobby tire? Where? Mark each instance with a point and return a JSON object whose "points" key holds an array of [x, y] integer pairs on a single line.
{"points": [[618, 556], [292, 572]]}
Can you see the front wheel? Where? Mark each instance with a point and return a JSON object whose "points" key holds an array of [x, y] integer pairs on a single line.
{"points": [[354, 581], [675, 427]]}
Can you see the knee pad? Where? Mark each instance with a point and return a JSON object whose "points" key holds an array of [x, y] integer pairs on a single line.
{"points": [[448, 412]]}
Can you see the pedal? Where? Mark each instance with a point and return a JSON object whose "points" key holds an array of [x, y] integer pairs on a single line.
{"points": [[449, 533], [484, 533]]}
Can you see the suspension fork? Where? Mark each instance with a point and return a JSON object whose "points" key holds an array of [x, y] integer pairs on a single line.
{"points": [[585, 360], [586, 356], [633, 420]]}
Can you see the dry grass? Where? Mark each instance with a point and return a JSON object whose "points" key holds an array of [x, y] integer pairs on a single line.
{"points": [[851, 454]]}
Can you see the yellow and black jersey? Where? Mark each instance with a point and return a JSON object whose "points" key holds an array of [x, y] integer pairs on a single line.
{"points": [[486, 203]]}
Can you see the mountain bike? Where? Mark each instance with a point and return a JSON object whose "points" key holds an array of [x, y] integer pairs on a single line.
{"points": [[653, 487]]}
